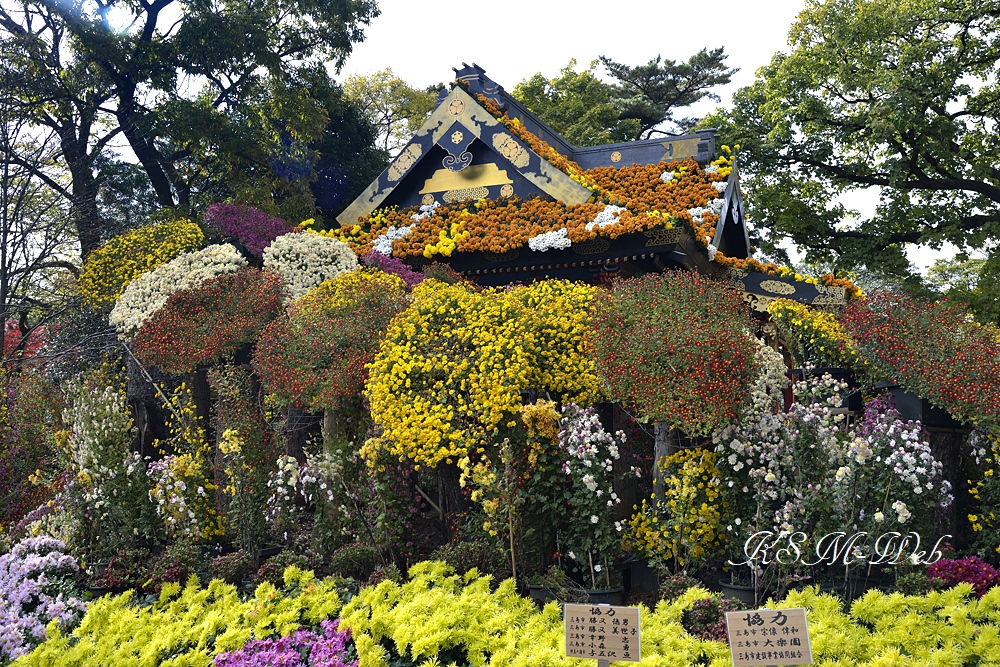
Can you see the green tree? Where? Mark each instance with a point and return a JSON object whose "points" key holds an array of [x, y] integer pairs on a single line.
{"points": [[93, 70], [899, 96], [395, 108], [970, 280], [577, 105], [651, 93]]}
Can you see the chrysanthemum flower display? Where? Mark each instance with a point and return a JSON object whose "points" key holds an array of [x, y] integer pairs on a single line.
{"points": [[251, 227], [305, 260], [320, 351], [36, 587], [931, 349], [674, 346], [109, 269], [150, 291], [210, 322], [453, 365]]}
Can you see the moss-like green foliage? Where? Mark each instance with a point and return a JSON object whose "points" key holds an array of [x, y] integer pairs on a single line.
{"points": [[439, 618], [186, 627]]}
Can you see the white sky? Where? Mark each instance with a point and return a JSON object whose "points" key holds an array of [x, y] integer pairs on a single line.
{"points": [[513, 39]]}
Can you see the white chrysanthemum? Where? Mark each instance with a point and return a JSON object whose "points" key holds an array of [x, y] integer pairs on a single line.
{"points": [[305, 260], [384, 242], [149, 292], [557, 240], [608, 216], [720, 186], [667, 176]]}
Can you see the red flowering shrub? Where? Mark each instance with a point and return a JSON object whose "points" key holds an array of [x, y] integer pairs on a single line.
{"points": [[12, 339], [932, 350], [675, 346], [946, 573], [319, 352], [211, 322]]}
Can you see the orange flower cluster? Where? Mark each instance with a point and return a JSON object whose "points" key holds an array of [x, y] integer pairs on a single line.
{"points": [[504, 224]]}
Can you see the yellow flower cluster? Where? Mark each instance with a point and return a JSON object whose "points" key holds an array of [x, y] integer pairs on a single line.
{"points": [[109, 269], [724, 162], [448, 240], [684, 525], [813, 335], [450, 372], [541, 419]]}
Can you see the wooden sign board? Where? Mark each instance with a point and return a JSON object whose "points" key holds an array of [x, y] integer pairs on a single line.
{"points": [[602, 631], [769, 637]]}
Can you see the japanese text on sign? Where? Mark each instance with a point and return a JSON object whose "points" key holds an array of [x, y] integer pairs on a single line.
{"points": [[602, 632], [769, 637]]}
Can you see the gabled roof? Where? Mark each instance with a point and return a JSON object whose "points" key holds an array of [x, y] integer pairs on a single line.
{"points": [[446, 140]]}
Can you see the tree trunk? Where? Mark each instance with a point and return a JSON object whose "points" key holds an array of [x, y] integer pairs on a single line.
{"points": [[664, 444]]}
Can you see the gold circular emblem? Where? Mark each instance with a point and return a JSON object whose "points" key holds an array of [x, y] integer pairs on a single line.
{"points": [[427, 200], [456, 107], [616, 157], [507, 190], [456, 137]]}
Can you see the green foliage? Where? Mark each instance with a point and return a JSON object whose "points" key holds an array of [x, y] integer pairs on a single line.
{"points": [[972, 281], [396, 109], [187, 627], [355, 561], [875, 93], [577, 105], [652, 92]]}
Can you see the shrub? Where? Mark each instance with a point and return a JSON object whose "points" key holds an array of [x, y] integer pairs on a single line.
{"points": [[210, 322], [673, 587], [972, 570], [675, 346], [174, 566], [931, 349], [306, 260], [232, 568], [355, 561], [127, 568], [454, 363], [464, 556], [149, 292], [272, 571], [110, 269], [320, 352], [395, 266], [706, 618], [188, 626], [253, 228]]}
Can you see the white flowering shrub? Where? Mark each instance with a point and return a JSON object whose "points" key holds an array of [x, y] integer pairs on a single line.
{"points": [[312, 482], [306, 260], [36, 587], [150, 291]]}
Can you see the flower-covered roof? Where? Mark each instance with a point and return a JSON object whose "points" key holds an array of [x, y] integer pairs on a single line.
{"points": [[490, 189]]}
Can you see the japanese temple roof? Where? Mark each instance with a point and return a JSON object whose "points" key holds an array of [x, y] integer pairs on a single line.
{"points": [[489, 188]]}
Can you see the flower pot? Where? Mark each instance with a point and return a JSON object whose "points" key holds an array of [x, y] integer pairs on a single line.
{"points": [[914, 408], [607, 596], [745, 594], [851, 399], [540, 595], [98, 591], [638, 575]]}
